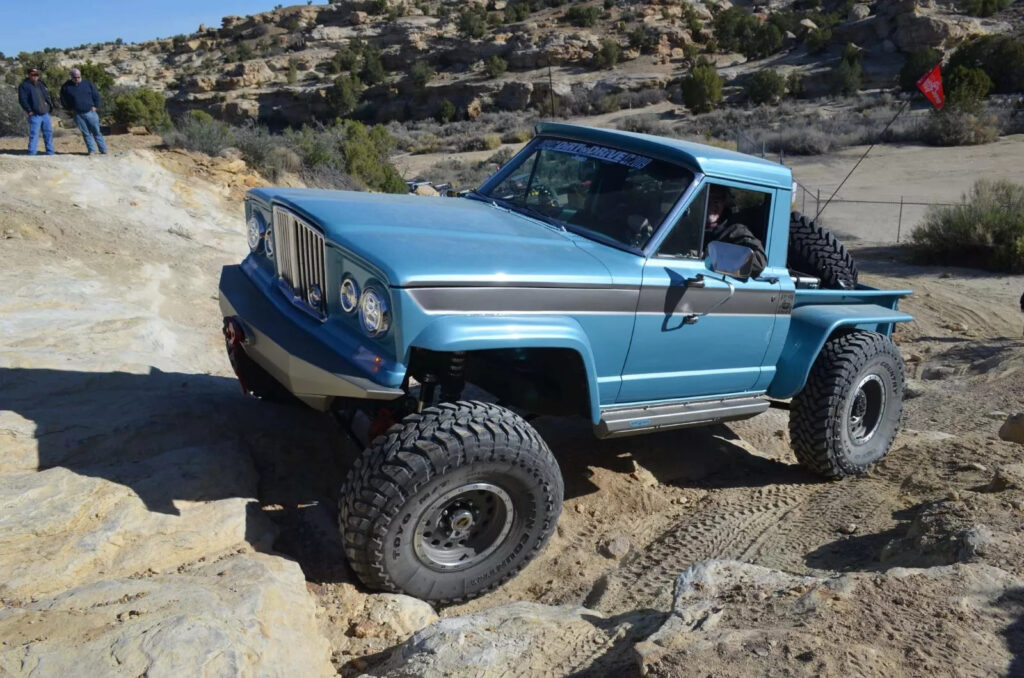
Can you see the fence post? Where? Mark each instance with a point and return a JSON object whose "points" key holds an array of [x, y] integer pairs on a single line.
{"points": [[899, 223], [817, 203], [803, 196]]}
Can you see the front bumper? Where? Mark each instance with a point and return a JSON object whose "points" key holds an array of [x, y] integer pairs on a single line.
{"points": [[290, 353]]}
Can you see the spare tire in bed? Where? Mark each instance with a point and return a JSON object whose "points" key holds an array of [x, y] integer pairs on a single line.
{"points": [[815, 251]]}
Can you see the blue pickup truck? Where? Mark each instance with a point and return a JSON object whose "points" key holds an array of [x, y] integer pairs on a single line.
{"points": [[586, 277]]}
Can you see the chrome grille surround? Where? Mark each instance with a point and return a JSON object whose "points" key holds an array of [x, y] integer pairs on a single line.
{"points": [[300, 259]]}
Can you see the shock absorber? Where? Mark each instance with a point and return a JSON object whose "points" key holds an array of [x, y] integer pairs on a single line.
{"points": [[455, 380]]}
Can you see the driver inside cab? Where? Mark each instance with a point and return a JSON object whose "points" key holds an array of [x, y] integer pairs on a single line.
{"points": [[721, 226]]}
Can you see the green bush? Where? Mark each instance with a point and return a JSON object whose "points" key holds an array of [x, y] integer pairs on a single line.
{"points": [[795, 84], [817, 40], [702, 88], [446, 112], [582, 16], [198, 131], [472, 22], [344, 60], [766, 87], [641, 39], [967, 88], [495, 66], [1000, 56], [141, 107], [847, 75], [737, 30], [344, 94], [985, 7], [608, 55], [920, 61], [987, 231], [421, 73], [373, 71], [366, 157], [491, 141], [293, 72], [13, 121], [519, 11]]}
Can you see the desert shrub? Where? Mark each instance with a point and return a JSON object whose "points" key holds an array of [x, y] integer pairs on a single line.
{"points": [[646, 123], [1000, 56], [13, 121], [141, 107], [472, 22], [344, 94], [737, 30], [582, 16], [967, 88], [702, 88], [491, 141], [985, 7], [518, 136], [986, 231], [954, 126], [920, 61], [847, 74], [608, 55], [293, 72], [446, 111], [257, 145], [366, 157], [642, 39], [373, 71], [608, 104], [198, 131], [421, 73], [344, 60], [495, 66], [766, 87], [817, 40], [795, 84], [514, 12]]}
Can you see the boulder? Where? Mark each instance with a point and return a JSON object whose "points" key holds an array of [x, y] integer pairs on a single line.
{"points": [[514, 96], [860, 11], [247, 614], [424, 189], [59, 528], [1012, 429], [243, 75]]}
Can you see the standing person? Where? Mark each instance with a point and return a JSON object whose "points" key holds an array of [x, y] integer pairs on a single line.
{"points": [[35, 100], [82, 98]]}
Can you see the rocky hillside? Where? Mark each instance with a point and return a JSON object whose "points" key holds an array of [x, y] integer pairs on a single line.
{"points": [[399, 60]]}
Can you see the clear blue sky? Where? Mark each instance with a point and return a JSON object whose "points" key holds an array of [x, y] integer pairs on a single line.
{"points": [[29, 25]]}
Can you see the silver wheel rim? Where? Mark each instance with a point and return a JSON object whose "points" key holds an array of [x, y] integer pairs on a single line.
{"points": [[464, 526], [866, 409]]}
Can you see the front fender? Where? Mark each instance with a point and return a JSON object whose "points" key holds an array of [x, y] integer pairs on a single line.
{"points": [[809, 329], [482, 332]]}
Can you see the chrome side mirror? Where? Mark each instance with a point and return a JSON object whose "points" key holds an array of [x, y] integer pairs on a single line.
{"points": [[735, 261]]}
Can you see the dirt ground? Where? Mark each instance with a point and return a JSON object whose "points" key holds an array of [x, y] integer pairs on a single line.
{"points": [[111, 268]]}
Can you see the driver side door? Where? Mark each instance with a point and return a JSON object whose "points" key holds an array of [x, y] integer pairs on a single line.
{"points": [[692, 336]]}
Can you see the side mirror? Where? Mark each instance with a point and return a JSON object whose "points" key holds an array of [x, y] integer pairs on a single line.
{"points": [[735, 261]]}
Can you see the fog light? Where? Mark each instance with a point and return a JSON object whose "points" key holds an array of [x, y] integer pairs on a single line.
{"points": [[315, 296]]}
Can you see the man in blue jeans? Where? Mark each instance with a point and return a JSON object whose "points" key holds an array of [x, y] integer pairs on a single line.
{"points": [[35, 100], [81, 98]]}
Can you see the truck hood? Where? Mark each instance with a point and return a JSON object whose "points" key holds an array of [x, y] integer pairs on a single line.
{"points": [[422, 241]]}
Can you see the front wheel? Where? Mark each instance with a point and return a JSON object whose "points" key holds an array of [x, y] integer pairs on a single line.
{"points": [[451, 503], [846, 416]]}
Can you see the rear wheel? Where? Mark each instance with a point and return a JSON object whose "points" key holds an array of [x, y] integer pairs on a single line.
{"points": [[816, 251], [451, 503], [847, 414]]}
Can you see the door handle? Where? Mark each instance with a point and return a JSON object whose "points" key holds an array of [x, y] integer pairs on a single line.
{"points": [[696, 281]]}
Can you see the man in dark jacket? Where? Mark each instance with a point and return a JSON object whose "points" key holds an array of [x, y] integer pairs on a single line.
{"points": [[80, 96], [36, 102], [720, 226]]}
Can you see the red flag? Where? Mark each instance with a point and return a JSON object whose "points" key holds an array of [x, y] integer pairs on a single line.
{"points": [[930, 85]]}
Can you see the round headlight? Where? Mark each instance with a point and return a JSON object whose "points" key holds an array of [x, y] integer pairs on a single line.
{"points": [[373, 312], [256, 230], [268, 243], [349, 295], [315, 296]]}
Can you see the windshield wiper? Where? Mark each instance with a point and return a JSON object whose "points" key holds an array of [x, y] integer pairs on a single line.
{"points": [[510, 206]]}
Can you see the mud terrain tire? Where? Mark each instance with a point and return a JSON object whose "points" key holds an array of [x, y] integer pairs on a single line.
{"points": [[846, 416], [450, 503], [815, 251]]}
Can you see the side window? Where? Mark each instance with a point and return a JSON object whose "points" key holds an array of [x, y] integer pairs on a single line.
{"points": [[728, 206], [685, 238]]}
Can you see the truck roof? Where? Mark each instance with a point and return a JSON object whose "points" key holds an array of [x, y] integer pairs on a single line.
{"points": [[710, 160]]}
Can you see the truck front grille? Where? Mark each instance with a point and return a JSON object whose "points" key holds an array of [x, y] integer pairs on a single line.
{"points": [[301, 258]]}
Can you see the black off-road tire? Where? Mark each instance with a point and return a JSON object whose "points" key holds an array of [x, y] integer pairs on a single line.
{"points": [[823, 424], [815, 251], [406, 474]]}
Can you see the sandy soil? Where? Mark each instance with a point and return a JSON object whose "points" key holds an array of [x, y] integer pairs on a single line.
{"points": [[111, 267]]}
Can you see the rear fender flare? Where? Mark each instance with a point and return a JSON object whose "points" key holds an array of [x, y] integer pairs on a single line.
{"points": [[809, 329], [478, 333]]}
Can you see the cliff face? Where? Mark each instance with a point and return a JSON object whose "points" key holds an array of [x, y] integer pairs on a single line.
{"points": [[279, 67]]}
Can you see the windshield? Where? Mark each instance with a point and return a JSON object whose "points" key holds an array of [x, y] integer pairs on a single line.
{"points": [[594, 190]]}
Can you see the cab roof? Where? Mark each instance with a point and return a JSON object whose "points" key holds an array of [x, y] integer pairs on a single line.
{"points": [[709, 160]]}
